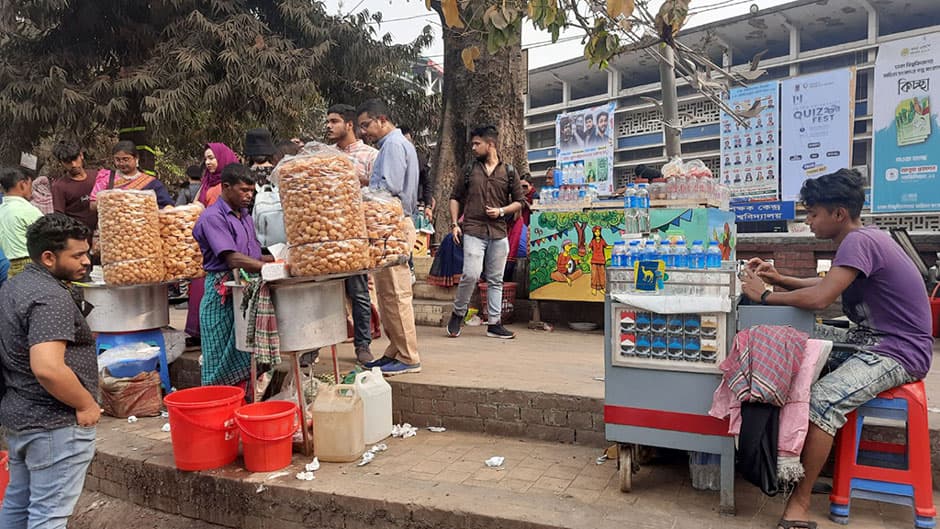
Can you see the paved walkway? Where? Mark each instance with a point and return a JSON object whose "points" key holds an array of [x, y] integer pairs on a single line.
{"points": [[440, 480]]}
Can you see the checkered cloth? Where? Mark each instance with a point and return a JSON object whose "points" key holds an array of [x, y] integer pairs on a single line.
{"points": [[263, 338], [222, 363], [763, 363]]}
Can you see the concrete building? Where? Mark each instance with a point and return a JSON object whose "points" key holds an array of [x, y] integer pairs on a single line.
{"points": [[802, 37]]}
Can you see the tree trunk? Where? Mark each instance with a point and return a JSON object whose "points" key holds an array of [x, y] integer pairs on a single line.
{"points": [[491, 95]]}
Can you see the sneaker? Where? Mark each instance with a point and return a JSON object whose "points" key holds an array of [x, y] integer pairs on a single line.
{"points": [[498, 331], [364, 355], [398, 368], [379, 363], [453, 326]]}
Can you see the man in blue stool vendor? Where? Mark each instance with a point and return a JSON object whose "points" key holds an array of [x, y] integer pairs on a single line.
{"points": [[883, 294], [226, 236]]}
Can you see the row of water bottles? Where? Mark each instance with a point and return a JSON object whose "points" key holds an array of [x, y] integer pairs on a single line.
{"points": [[567, 194], [636, 209], [673, 252]]}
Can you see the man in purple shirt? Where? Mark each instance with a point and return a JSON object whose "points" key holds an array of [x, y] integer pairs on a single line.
{"points": [[883, 295], [226, 236]]}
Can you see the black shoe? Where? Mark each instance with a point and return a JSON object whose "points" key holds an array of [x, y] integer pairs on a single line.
{"points": [[498, 331], [453, 326]]}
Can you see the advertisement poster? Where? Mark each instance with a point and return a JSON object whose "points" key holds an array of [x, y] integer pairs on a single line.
{"points": [[749, 164], [816, 113], [585, 141], [906, 141], [569, 251]]}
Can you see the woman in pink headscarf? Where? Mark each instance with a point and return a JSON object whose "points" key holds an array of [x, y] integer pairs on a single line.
{"points": [[217, 156]]}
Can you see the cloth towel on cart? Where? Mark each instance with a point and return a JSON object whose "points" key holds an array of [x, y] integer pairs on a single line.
{"points": [[794, 414], [263, 337]]}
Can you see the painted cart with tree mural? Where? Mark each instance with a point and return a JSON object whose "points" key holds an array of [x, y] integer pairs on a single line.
{"points": [[570, 250]]}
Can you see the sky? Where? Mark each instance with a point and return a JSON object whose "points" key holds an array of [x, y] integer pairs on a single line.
{"points": [[404, 20]]}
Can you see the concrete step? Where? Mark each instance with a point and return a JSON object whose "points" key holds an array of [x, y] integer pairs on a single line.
{"points": [[432, 480], [432, 312], [425, 290]]}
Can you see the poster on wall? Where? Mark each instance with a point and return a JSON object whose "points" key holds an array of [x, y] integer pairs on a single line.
{"points": [[906, 147], [749, 164], [585, 141], [816, 113]]}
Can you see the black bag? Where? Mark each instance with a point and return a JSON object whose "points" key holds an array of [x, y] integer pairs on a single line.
{"points": [[757, 445]]}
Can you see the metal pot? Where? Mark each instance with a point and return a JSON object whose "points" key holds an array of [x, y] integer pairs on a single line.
{"points": [[127, 309], [309, 314]]}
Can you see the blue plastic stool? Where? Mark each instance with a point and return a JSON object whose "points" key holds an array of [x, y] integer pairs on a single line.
{"points": [[153, 337]]}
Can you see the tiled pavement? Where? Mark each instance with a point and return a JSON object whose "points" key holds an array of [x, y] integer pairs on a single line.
{"points": [[436, 480]]}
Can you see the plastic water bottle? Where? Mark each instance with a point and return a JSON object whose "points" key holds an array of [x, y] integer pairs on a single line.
{"points": [[652, 250], [556, 195], [668, 250], [617, 254], [682, 257], [697, 256], [713, 255], [643, 208], [633, 254], [629, 209]]}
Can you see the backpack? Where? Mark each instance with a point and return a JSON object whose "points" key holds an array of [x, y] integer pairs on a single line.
{"points": [[268, 216], [511, 176]]}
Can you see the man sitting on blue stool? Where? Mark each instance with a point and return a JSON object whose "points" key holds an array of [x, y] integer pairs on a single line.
{"points": [[883, 294]]}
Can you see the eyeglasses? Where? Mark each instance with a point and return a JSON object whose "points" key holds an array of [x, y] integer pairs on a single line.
{"points": [[366, 124]]}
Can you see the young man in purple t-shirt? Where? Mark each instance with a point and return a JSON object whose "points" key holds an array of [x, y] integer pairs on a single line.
{"points": [[883, 294]]}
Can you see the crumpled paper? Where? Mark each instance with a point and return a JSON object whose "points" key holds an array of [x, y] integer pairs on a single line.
{"points": [[166, 427], [132, 419], [495, 462], [305, 476], [404, 431], [369, 455], [312, 466], [437, 429]]}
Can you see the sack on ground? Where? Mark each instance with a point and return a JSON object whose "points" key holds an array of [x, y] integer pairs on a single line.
{"points": [[139, 396]]}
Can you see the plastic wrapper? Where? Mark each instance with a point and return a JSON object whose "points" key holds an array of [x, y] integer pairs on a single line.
{"points": [[181, 254], [332, 257], [385, 220], [126, 397], [673, 168], [323, 216], [135, 272], [129, 227]]}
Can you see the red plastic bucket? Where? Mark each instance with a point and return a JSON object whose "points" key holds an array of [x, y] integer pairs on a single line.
{"points": [[267, 430], [935, 311], [202, 426], [4, 473]]}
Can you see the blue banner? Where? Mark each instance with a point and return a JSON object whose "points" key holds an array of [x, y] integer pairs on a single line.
{"points": [[764, 211]]}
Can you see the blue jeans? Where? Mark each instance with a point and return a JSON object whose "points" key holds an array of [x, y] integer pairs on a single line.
{"points": [[487, 256], [357, 288], [47, 473]]}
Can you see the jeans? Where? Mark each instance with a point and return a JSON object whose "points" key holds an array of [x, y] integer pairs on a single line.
{"points": [[486, 256], [47, 473], [357, 288]]}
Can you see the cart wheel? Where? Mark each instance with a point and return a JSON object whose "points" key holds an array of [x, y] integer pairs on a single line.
{"points": [[625, 467]]}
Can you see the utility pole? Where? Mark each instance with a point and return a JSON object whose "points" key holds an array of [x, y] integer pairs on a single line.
{"points": [[667, 74]]}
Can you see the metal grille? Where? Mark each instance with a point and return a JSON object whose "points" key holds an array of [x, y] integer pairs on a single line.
{"points": [[921, 222], [648, 121]]}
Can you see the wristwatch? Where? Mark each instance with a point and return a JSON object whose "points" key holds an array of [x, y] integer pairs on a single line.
{"points": [[501, 212], [763, 297]]}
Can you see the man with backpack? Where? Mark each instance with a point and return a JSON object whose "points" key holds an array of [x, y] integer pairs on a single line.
{"points": [[488, 193]]}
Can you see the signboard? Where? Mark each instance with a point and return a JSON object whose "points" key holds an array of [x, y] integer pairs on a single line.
{"points": [[764, 211], [585, 141], [815, 127], [905, 119], [749, 164]]}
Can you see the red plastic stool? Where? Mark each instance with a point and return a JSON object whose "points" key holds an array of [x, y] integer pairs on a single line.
{"points": [[888, 472]]}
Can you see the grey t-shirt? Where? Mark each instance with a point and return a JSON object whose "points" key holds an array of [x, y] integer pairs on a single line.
{"points": [[36, 308]]}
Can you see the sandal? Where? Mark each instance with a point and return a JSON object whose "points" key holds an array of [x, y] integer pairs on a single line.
{"points": [[796, 524]]}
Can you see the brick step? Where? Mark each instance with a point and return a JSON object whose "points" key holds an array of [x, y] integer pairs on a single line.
{"points": [[432, 312], [433, 480], [425, 290]]}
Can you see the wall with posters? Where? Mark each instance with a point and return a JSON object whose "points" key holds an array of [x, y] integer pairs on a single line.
{"points": [[585, 141], [907, 139], [749, 164], [816, 113]]}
